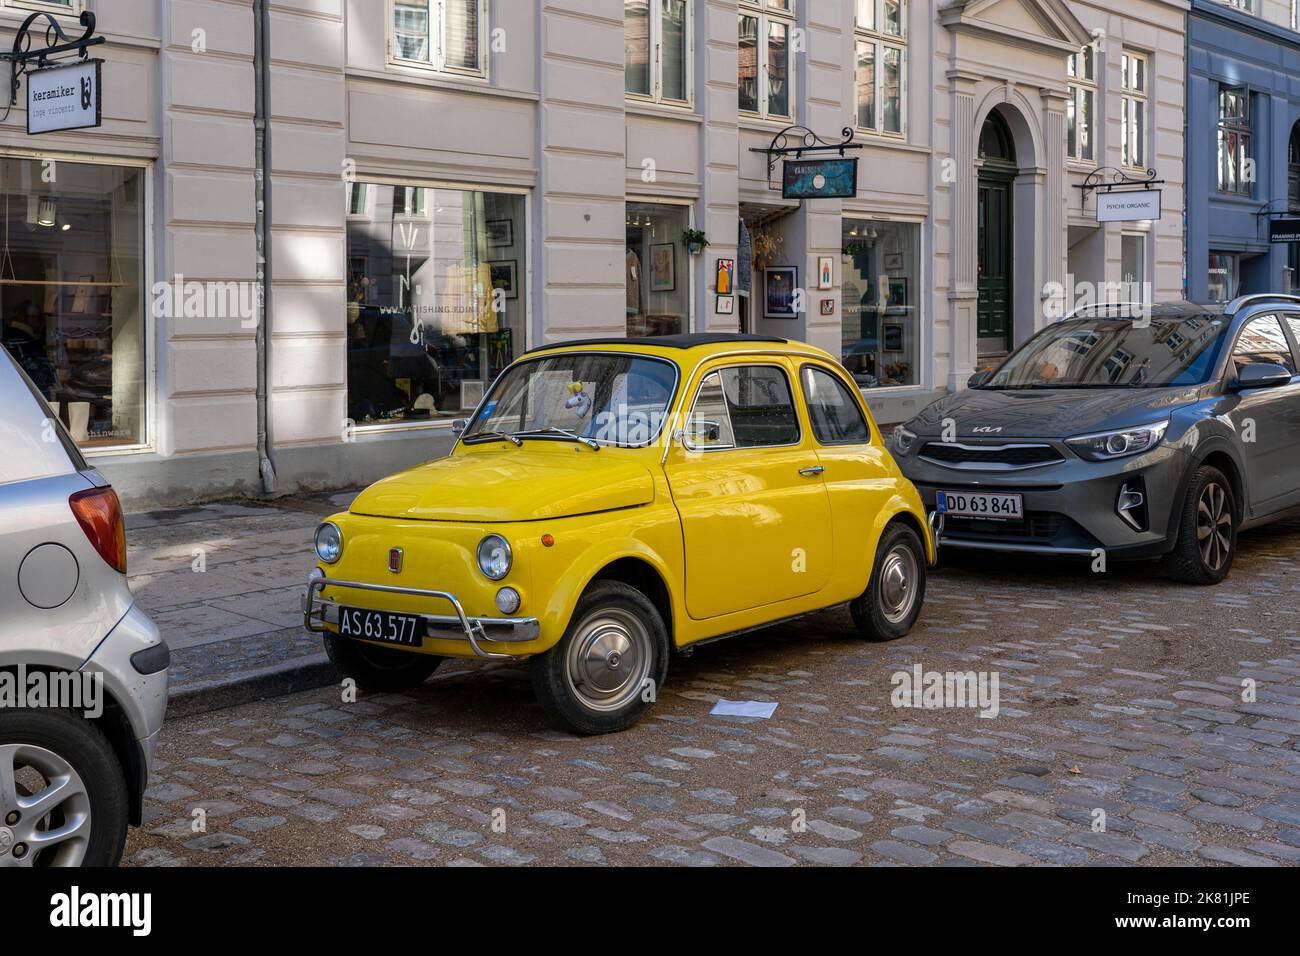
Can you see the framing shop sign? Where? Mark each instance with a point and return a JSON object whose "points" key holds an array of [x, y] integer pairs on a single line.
{"points": [[1285, 229], [64, 97]]}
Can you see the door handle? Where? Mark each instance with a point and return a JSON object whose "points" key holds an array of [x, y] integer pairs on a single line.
{"points": [[812, 472]]}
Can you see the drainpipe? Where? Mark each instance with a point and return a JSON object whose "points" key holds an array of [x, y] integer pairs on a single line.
{"points": [[261, 67]]}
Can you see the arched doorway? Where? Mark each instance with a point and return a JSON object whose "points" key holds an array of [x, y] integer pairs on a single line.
{"points": [[996, 221]]}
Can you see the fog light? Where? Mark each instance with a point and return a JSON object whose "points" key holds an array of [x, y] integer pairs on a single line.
{"points": [[508, 601], [1132, 505]]}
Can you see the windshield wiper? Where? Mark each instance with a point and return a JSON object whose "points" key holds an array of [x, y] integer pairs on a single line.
{"points": [[496, 436], [565, 433]]}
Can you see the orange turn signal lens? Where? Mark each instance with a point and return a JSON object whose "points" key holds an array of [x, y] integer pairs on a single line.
{"points": [[548, 541]]}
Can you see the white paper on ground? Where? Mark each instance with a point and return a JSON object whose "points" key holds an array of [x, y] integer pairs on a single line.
{"points": [[743, 708]]}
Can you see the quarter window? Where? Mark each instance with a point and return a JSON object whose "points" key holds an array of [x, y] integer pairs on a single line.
{"points": [[656, 47], [880, 59], [1081, 110], [836, 417], [766, 27], [444, 35], [747, 406], [1263, 341]]}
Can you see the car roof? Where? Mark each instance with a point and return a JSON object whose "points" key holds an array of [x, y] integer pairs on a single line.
{"points": [[702, 343], [1162, 310]]}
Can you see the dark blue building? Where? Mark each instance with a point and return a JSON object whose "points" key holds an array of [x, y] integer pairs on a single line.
{"points": [[1243, 152]]}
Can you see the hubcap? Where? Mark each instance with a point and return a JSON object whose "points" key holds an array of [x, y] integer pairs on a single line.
{"points": [[48, 802], [899, 575], [1214, 526], [608, 660]]}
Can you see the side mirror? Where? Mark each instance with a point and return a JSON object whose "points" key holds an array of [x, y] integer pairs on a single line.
{"points": [[982, 377], [459, 425], [1262, 375], [702, 433]]}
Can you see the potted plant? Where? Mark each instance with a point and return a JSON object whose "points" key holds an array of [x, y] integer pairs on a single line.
{"points": [[695, 241], [766, 246]]}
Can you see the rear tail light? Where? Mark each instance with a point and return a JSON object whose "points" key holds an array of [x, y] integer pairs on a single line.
{"points": [[100, 516]]}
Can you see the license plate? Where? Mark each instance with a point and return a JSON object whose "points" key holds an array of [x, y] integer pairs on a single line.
{"points": [[990, 507], [383, 626]]}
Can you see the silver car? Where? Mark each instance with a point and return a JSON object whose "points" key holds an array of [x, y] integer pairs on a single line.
{"points": [[1122, 433], [83, 671]]}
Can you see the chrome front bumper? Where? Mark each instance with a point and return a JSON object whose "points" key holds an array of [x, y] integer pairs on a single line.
{"points": [[318, 611]]}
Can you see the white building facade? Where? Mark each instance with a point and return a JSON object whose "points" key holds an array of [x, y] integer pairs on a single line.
{"points": [[424, 190]]}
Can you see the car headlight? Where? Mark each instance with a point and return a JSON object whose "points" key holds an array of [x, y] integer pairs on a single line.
{"points": [[494, 557], [1107, 446], [904, 440], [329, 542]]}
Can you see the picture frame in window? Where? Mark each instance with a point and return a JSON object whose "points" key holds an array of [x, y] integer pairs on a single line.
{"points": [[893, 261], [500, 232], [779, 287], [663, 267], [893, 338], [898, 289], [505, 275]]}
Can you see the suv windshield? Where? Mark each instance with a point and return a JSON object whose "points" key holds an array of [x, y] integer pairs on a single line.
{"points": [[612, 399], [1116, 353]]}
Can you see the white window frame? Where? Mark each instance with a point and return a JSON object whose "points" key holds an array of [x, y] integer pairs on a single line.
{"points": [[438, 40], [1078, 86], [1244, 129], [765, 12], [875, 35], [656, 95], [1245, 6], [1130, 98], [72, 9]]}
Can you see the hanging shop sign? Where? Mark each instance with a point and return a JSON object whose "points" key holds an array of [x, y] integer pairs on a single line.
{"points": [[64, 97], [1284, 230], [809, 173], [1136, 206]]}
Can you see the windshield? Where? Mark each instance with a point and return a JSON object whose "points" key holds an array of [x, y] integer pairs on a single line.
{"points": [[612, 399], [1115, 353]]}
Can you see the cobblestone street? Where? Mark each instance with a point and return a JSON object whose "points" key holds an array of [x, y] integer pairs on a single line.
{"points": [[1120, 693]]}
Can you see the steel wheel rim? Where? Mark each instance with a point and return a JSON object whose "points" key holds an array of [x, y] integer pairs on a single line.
{"points": [[1214, 526], [609, 660], [44, 808], [899, 577]]}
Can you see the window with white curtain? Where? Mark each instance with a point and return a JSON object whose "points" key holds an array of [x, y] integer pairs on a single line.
{"points": [[445, 35], [766, 71], [880, 61], [656, 48]]}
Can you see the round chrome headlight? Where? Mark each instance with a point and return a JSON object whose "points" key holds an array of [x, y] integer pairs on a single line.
{"points": [[494, 557], [329, 542]]}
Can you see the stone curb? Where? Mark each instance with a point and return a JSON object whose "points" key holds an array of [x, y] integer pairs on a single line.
{"points": [[278, 680]]}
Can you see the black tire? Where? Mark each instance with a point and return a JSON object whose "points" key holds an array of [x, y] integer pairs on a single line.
{"points": [[1193, 559], [380, 669], [878, 614], [82, 745], [608, 612]]}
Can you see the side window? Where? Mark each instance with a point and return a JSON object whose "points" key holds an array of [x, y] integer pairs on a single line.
{"points": [[1262, 340], [837, 418], [746, 406], [1294, 322]]}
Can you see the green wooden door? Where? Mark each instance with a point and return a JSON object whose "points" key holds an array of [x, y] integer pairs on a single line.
{"points": [[995, 266]]}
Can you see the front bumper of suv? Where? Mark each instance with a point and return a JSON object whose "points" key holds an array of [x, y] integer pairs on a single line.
{"points": [[1073, 507]]}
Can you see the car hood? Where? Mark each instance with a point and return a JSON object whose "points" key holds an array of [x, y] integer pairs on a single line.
{"points": [[511, 484], [991, 414]]}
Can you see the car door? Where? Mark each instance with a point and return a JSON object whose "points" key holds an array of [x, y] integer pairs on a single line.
{"points": [[1268, 419], [857, 472], [746, 481]]}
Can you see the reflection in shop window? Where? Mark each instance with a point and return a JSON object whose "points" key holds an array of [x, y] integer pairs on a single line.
{"points": [[881, 269], [1224, 276], [436, 301], [71, 283], [657, 269]]}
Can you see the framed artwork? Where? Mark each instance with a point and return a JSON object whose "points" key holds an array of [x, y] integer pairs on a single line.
{"points": [[893, 338], [663, 267], [726, 276], [826, 272], [505, 274], [828, 306], [779, 285], [898, 293], [726, 305], [893, 261], [501, 232]]}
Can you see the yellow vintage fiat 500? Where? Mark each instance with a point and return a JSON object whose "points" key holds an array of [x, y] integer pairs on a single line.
{"points": [[611, 502]]}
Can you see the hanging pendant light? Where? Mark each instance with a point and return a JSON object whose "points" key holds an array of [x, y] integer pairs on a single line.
{"points": [[48, 213]]}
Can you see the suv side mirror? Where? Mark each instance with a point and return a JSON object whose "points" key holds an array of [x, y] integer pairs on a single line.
{"points": [[1262, 375], [982, 377]]}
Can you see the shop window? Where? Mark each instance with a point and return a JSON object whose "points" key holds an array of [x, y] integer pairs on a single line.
{"points": [[444, 35], [72, 302], [436, 301], [656, 46], [765, 63], [1081, 105], [657, 269], [1134, 105], [881, 324], [1133, 265], [880, 65], [1225, 276], [1236, 142]]}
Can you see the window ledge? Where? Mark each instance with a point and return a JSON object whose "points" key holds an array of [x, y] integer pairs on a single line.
{"points": [[414, 76], [685, 114]]}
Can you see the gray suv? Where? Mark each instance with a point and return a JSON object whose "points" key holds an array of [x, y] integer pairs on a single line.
{"points": [[83, 672], [1123, 432]]}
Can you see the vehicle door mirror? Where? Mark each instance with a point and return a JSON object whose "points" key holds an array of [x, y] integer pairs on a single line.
{"points": [[459, 425], [700, 432], [982, 377], [1262, 375]]}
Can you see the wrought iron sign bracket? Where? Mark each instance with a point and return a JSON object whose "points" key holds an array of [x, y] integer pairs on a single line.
{"points": [[802, 141], [56, 42], [1108, 179]]}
